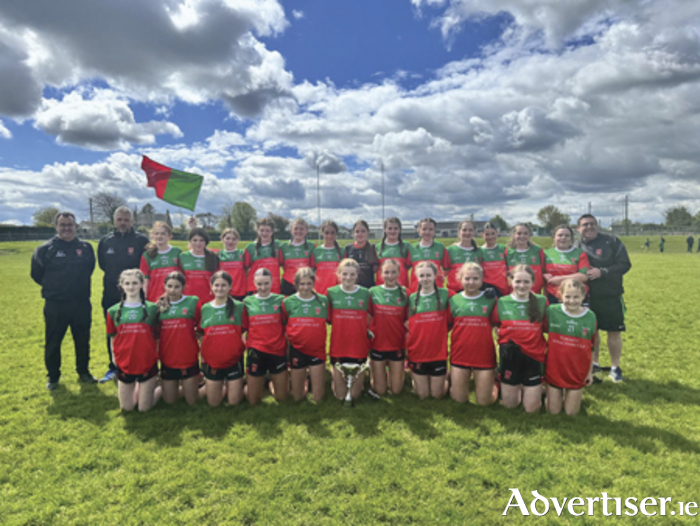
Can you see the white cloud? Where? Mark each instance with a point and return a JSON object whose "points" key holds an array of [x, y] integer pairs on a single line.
{"points": [[297, 14], [4, 132]]}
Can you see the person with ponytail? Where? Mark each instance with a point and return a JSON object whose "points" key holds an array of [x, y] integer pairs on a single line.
{"points": [[393, 247], [364, 253], [472, 351], [428, 323], [223, 322], [305, 314], [457, 254], [494, 262], [232, 260], [349, 313], [522, 347], [198, 264], [267, 345], [264, 253], [295, 254], [563, 261], [178, 347], [388, 346], [426, 249], [159, 259], [522, 251], [326, 258], [130, 325]]}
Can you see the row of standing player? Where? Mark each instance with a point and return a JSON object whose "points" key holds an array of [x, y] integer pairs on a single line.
{"points": [[551, 266], [380, 323]]}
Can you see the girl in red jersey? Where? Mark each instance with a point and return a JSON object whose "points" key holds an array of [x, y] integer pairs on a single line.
{"points": [[267, 345], [326, 258], [231, 260], [389, 307], [158, 260], [472, 350], [223, 322], [349, 313], [563, 261], [198, 264], [572, 328], [295, 254], [264, 253], [130, 326], [464, 251], [522, 347], [522, 251], [427, 249], [177, 344], [364, 253], [494, 261], [428, 324], [305, 314], [393, 247]]}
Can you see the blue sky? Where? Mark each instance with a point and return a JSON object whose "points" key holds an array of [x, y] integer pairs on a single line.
{"points": [[473, 106]]}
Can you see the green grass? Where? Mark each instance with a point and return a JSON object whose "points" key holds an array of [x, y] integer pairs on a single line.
{"points": [[73, 458]]}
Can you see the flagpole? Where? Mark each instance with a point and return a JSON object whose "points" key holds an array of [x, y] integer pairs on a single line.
{"points": [[318, 196], [382, 167]]}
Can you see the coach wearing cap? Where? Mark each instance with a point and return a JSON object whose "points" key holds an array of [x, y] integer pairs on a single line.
{"points": [[609, 262], [119, 250], [63, 266]]}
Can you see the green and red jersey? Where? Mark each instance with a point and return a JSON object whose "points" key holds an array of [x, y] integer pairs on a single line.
{"points": [[417, 253], [134, 345], [389, 313], [233, 262], [515, 325], [398, 252], [563, 263], [495, 267], [571, 340], [177, 343], [222, 343], [533, 257], [428, 326], [265, 324], [347, 314], [325, 262], [293, 257], [197, 277], [306, 324], [472, 331], [155, 269], [263, 256], [455, 257]]}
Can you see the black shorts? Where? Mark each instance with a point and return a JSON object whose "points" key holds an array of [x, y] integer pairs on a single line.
{"points": [[457, 366], [610, 312], [287, 289], [232, 373], [343, 359], [437, 368], [259, 363], [299, 360], [518, 368], [168, 373], [239, 298], [127, 378], [392, 356]]}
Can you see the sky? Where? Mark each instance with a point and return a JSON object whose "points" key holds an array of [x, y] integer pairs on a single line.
{"points": [[465, 107]]}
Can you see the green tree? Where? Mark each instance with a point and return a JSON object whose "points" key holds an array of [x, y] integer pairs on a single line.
{"points": [[550, 216], [280, 221], [696, 218], [678, 216], [45, 216], [499, 223], [243, 217]]}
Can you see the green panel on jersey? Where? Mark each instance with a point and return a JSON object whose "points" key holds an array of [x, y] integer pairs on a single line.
{"points": [[212, 315], [460, 255], [302, 251], [529, 257], [340, 299], [326, 254], [552, 256], [313, 308], [514, 310], [560, 322], [185, 308], [133, 314], [429, 303], [188, 261], [496, 253], [392, 251], [270, 305], [169, 259], [480, 306], [262, 252], [434, 252], [397, 297], [234, 255]]}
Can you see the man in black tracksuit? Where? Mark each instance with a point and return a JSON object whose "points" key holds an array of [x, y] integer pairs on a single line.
{"points": [[63, 266], [609, 263], [117, 251]]}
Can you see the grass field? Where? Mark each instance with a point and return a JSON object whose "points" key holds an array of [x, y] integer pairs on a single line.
{"points": [[72, 457]]}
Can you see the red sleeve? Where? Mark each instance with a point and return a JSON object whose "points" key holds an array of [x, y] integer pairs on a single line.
{"points": [[370, 306], [583, 261], [285, 314], [409, 263], [450, 319], [111, 328], [446, 263], [244, 320], [495, 321], [542, 259], [247, 262], [280, 256], [312, 261], [143, 267], [330, 311], [197, 316]]}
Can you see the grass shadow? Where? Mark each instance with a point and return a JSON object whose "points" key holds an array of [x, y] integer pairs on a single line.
{"points": [[91, 404], [647, 392]]}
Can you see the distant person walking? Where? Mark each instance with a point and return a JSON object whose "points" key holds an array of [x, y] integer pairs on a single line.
{"points": [[647, 244], [662, 244], [609, 262], [119, 250], [63, 266], [690, 240]]}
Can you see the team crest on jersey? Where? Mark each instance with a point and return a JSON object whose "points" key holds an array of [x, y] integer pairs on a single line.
{"points": [[275, 307], [534, 259], [79, 251], [485, 309], [598, 251], [502, 256], [318, 310], [437, 255], [360, 302], [184, 312], [131, 251], [585, 331], [306, 253]]}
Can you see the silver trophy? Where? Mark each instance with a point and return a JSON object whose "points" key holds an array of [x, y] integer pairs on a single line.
{"points": [[350, 372]]}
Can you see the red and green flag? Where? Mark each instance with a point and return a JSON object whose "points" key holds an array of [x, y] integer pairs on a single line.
{"points": [[173, 186]]}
